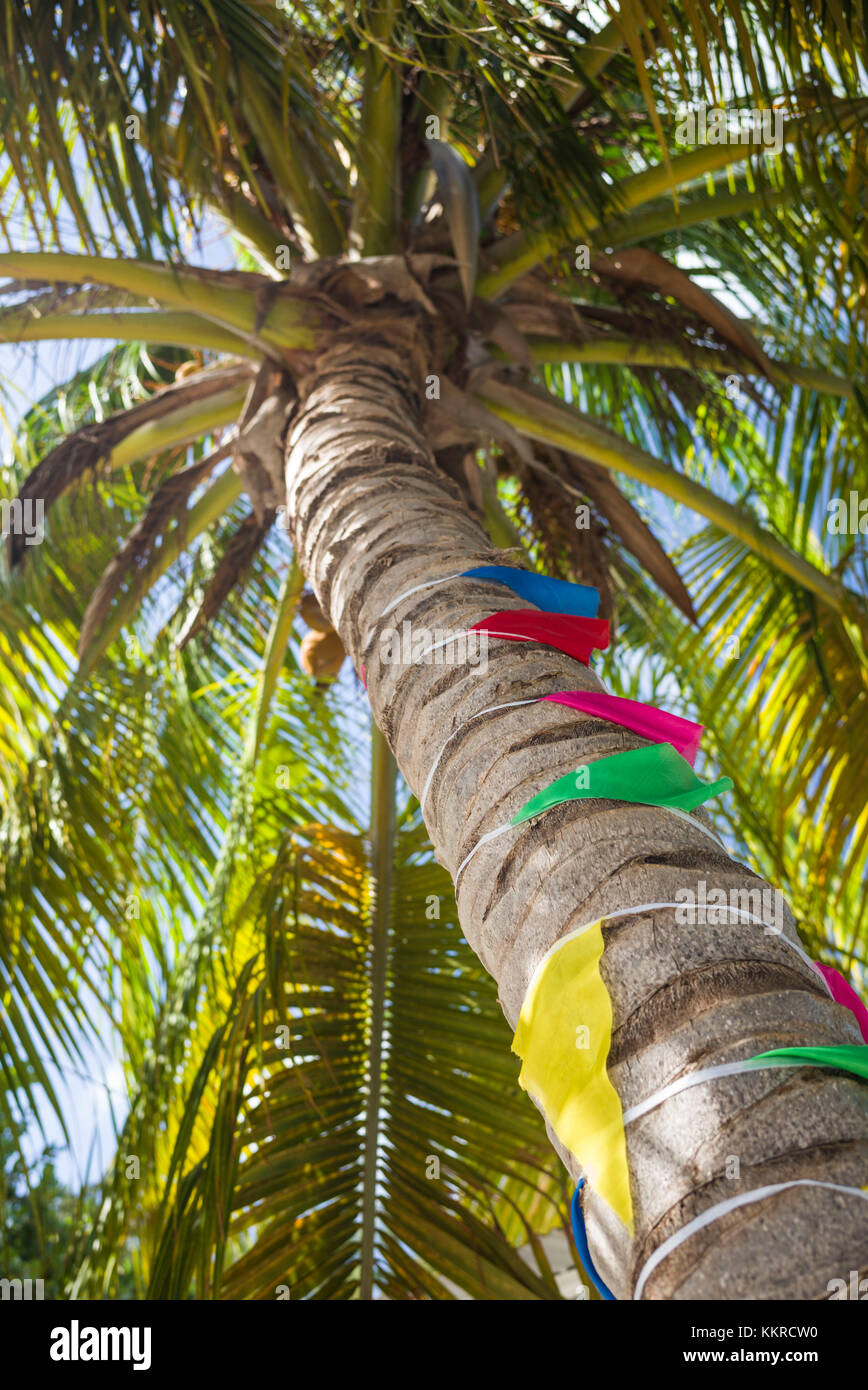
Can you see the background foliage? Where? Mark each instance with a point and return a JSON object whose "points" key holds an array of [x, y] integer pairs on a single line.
{"points": [[188, 837]]}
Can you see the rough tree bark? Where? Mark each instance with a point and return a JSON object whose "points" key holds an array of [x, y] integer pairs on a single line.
{"points": [[371, 517]]}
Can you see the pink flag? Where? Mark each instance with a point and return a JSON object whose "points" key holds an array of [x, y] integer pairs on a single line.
{"points": [[655, 724], [844, 993]]}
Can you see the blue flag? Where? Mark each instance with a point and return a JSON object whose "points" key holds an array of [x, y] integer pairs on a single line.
{"points": [[551, 595]]}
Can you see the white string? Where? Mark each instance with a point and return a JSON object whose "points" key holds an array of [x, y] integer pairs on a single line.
{"points": [[722, 1209], [706, 1074], [654, 907], [696, 825], [770, 927], [417, 588], [513, 704], [484, 632], [491, 835], [434, 646]]}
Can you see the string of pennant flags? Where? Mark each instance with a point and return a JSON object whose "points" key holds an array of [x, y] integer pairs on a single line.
{"points": [[568, 1077]]}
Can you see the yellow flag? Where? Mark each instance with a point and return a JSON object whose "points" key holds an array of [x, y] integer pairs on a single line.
{"points": [[563, 1037]]}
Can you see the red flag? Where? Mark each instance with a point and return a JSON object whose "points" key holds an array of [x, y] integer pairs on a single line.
{"points": [[576, 637]]}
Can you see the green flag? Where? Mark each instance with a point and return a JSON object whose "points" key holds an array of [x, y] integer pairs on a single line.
{"points": [[653, 776]]}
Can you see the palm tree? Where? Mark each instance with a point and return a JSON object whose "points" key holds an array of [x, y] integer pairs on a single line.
{"points": [[458, 330]]}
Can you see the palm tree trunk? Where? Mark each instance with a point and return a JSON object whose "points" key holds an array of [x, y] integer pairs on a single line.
{"points": [[374, 517]]}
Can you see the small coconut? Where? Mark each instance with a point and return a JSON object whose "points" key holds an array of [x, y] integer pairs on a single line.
{"points": [[322, 654], [312, 614]]}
